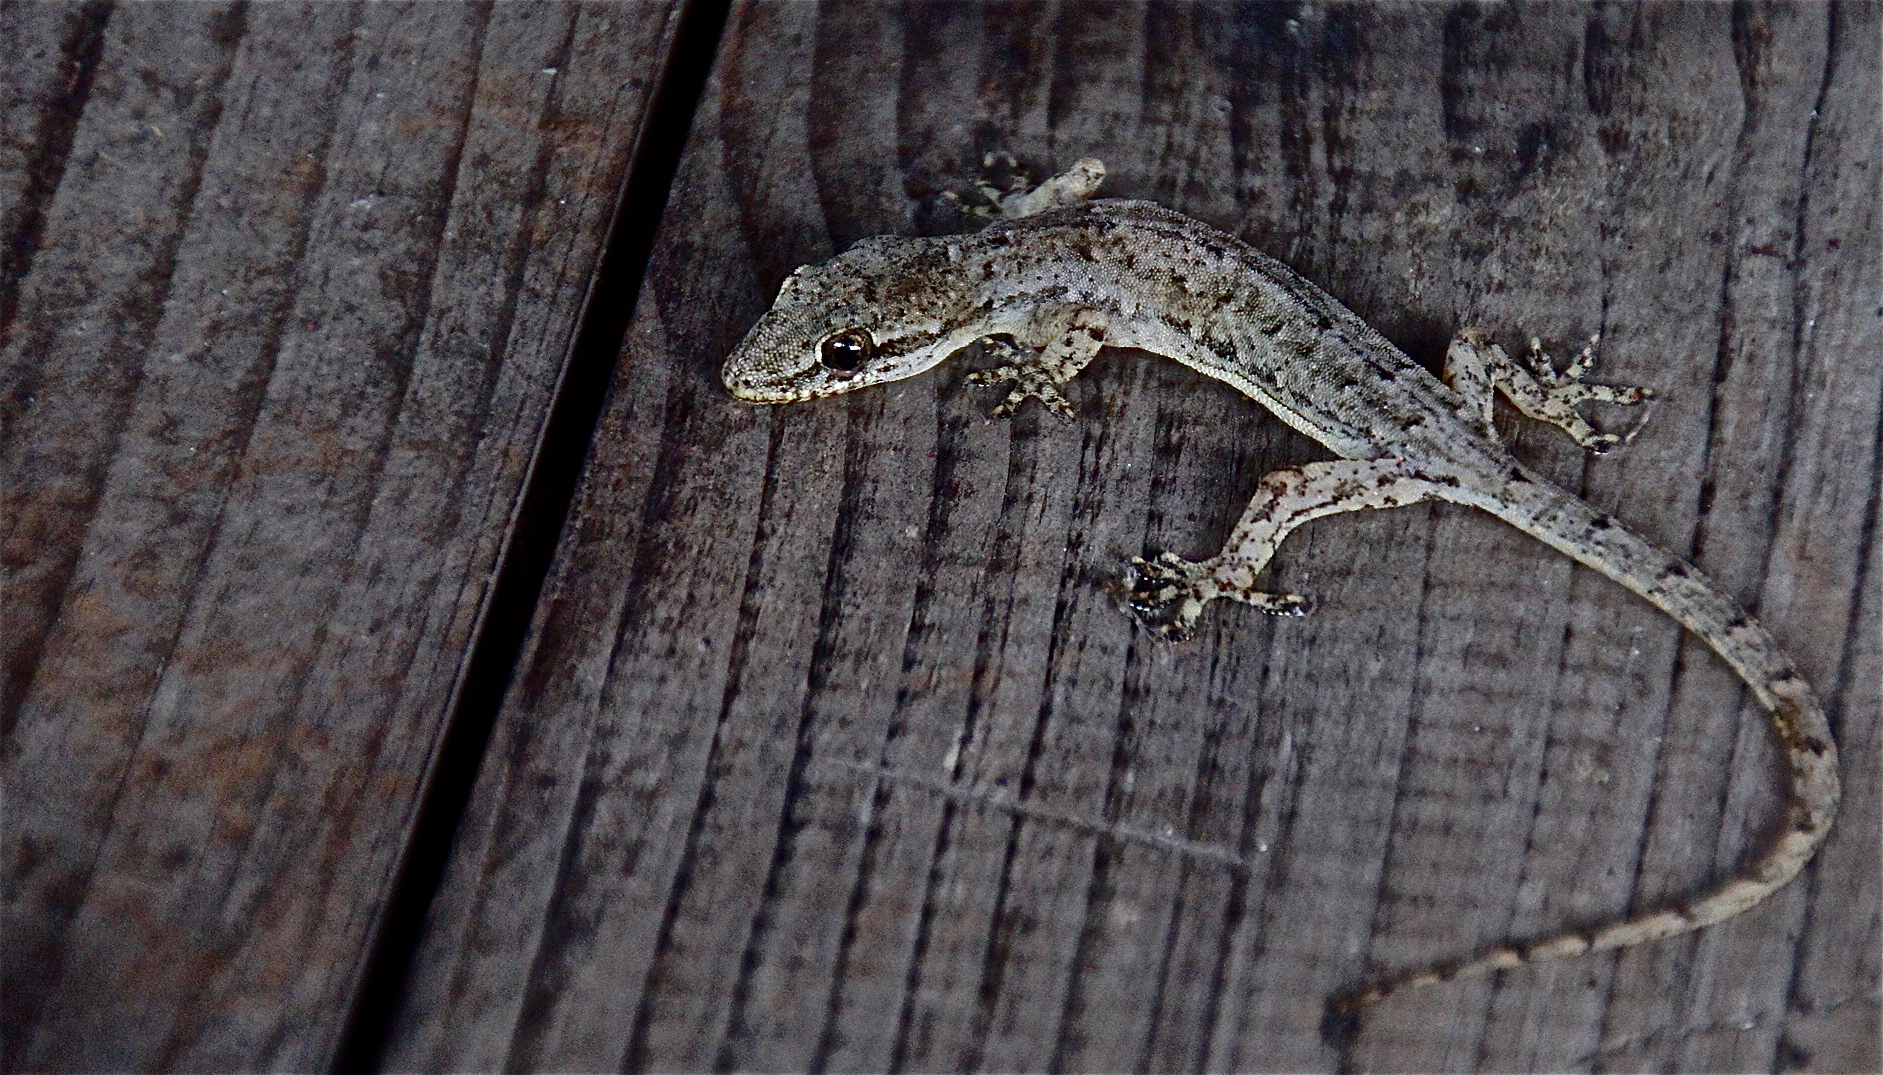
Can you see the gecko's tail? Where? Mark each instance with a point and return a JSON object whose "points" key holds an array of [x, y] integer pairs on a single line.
{"points": [[1797, 722]]}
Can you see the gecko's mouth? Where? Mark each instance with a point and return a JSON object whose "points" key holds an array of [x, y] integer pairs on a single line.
{"points": [[750, 392], [759, 386]]}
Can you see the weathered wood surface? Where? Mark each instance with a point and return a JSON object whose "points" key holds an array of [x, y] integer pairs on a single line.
{"points": [[830, 753], [289, 293]]}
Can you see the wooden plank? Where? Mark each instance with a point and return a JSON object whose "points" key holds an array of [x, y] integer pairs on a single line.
{"points": [[54, 54], [301, 286], [829, 753]]}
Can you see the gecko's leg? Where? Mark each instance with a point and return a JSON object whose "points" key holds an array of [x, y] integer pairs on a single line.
{"points": [[1022, 198], [1477, 368], [1166, 594], [1051, 350]]}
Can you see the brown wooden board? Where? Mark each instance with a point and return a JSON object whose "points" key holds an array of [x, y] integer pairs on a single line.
{"points": [[830, 752], [293, 290]]}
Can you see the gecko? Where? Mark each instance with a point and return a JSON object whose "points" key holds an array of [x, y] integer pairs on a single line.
{"points": [[1059, 274]]}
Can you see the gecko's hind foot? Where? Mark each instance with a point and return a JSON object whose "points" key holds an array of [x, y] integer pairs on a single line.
{"points": [[1167, 593], [1474, 363], [1162, 594], [1562, 390]]}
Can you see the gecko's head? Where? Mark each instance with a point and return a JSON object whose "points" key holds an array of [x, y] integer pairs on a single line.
{"points": [[878, 312]]}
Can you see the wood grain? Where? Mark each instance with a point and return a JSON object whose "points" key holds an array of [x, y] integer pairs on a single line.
{"points": [[829, 752], [292, 288]]}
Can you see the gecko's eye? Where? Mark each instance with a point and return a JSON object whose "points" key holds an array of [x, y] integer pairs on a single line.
{"points": [[845, 351]]}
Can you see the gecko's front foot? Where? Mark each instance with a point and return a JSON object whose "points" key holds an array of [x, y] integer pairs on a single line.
{"points": [[1029, 382], [1038, 373], [1166, 594], [1018, 197]]}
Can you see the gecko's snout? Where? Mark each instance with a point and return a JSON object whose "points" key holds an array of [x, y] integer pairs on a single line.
{"points": [[747, 386], [754, 382]]}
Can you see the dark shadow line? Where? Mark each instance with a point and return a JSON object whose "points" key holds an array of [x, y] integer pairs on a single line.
{"points": [[80, 50], [547, 496]]}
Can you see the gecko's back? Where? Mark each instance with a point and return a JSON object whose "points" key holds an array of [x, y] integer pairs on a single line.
{"points": [[1180, 288]]}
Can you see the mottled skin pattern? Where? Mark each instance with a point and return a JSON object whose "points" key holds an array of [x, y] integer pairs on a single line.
{"points": [[1064, 277]]}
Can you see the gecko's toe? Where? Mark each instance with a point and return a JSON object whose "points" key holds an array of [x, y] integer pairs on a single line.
{"points": [[1283, 604], [1175, 632]]}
